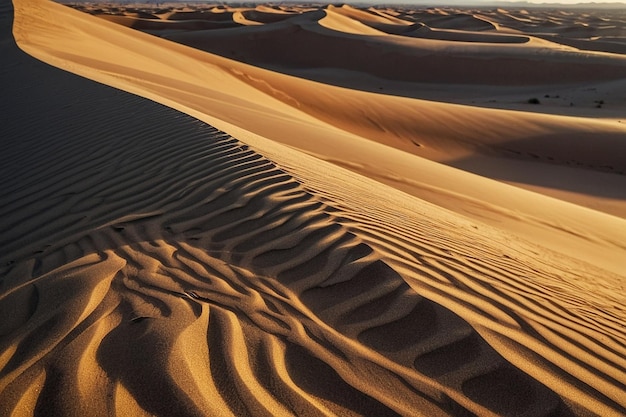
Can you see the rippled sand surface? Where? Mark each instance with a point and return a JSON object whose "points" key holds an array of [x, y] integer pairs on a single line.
{"points": [[276, 211]]}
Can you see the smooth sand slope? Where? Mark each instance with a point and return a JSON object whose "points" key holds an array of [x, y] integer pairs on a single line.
{"points": [[153, 264]]}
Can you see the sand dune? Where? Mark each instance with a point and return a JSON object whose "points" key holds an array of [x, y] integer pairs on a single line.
{"points": [[182, 260], [418, 57]]}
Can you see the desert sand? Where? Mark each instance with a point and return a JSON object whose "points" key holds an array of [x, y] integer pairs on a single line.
{"points": [[303, 210]]}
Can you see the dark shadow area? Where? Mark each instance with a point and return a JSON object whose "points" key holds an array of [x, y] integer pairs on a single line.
{"points": [[581, 163]]}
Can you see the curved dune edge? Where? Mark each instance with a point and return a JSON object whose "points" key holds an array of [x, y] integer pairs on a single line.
{"points": [[245, 279]]}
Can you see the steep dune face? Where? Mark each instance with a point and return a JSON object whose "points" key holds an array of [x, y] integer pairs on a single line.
{"points": [[153, 264]]}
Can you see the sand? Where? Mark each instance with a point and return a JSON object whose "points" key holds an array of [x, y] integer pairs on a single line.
{"points": [[311, 211]]}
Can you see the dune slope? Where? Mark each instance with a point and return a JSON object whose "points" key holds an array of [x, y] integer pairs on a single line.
{"points": [[153, 264]]}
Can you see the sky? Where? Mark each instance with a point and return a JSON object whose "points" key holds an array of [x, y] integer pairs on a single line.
{"points": [[563, 1], [517, 3], [554, 1], [496, 2]]}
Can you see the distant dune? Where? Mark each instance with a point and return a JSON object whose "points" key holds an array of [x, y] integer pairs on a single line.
{"points": [[296, 210]]}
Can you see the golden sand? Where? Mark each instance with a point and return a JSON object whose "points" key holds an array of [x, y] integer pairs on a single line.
{"points": [[311, 211]]}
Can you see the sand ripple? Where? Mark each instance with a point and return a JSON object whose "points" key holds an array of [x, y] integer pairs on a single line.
{"points": [[151, 264], [246, 285]]}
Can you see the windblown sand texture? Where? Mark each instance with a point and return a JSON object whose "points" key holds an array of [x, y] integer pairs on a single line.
{"points": [[274, 222]]}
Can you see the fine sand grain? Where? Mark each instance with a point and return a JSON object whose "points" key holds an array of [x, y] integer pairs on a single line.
{"points": [[231, 239]]}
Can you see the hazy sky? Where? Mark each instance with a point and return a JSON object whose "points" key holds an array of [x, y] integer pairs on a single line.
{"points": [[491, 2], [559, 1], [504, 2], [565, 1]]}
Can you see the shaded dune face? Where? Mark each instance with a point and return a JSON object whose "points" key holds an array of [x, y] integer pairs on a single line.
{"points": [[169, 269]]}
